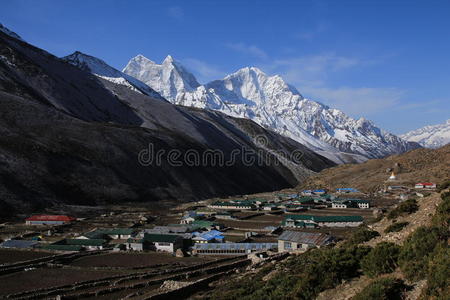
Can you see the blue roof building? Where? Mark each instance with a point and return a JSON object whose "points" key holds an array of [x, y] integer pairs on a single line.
{"points": [[208, 237]]}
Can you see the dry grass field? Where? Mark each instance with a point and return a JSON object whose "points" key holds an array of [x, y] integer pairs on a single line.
{"points": [[47, 277], [11, 256], [130, 260]]}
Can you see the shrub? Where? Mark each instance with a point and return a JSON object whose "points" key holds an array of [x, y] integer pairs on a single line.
{"points": [[438, 284], [407, 207], [362, 235], [381, 259], [300, 277], [381, 289], [442, 216], [396, 227], [417, 249]]}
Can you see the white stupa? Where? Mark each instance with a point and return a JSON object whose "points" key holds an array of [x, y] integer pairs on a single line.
{"points": [[392, 177]]}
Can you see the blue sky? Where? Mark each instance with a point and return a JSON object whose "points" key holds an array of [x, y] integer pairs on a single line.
{"points": [[385, 60]]}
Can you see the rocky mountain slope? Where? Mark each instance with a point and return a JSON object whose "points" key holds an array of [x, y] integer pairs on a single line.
{"points": [[274, 104], [9, 32], [431, 165], [69, 136], [101, 69], [433, 136]]}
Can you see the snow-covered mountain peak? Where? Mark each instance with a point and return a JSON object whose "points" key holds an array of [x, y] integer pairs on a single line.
{"points": [[169, 78], [9, 32], [431, 136], [91, 64], [101, 69], [168, 60], [273, 103], [141, 59], [251, 83]]}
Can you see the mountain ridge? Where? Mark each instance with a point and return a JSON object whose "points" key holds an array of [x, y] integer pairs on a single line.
{"points": [[100, 68], [70, 137], [431, 136], [274, 104]]}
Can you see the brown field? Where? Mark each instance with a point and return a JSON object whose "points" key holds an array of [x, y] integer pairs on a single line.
{"points": [[44, 278], [130, 260], [269, 218], [247, 224], [12, 256]]}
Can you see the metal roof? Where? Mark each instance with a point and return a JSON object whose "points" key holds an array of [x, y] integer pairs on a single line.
{"points": [[209, 235], [176, 228], [82, 242], [185, 235], [161, 238], [310, 238], [325, 218], [18, 244], [50, 218], [236, 246]]}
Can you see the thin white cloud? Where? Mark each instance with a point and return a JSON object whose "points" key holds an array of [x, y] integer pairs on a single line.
{"points": [[311, 70], [248, 49], [357, 102], [310, 75], [429, 106], [175, 12], [309, 34], [204, 72]]}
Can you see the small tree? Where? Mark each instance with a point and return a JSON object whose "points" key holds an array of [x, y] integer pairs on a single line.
{"points": [[408, 207], [381, 259], [417, 249], [362, 235], [438, 284]]}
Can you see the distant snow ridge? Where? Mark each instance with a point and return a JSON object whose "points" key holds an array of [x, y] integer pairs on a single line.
{"points": [[272, 103], [98, 67], [9, 32], [432, 136], [169, 78]]}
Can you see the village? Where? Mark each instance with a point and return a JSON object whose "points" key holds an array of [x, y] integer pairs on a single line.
{"points": [[222, 234]]}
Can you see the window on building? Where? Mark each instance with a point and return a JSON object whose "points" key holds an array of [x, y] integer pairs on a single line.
{"points": [[287, 245]]}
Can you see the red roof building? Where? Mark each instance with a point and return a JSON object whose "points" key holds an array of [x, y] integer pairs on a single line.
{"points": [[49, 219], [425, 185]]}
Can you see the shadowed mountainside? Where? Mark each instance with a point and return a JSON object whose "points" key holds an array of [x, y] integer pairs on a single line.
{"points": [[67, 136]]}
